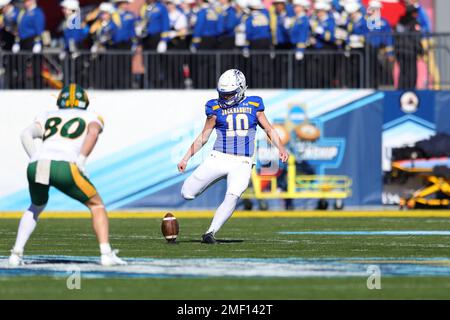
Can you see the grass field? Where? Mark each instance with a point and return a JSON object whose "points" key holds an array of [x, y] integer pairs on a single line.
{"points": [[245, 238]]}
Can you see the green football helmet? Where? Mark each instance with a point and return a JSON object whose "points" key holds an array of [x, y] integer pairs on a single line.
{"points": [[72, 96]]}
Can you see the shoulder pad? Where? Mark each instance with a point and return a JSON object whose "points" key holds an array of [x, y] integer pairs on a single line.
{"points": [[256, 102], [211, 107]]}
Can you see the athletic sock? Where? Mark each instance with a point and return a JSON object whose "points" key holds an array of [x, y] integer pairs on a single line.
{"points": [[223, 213], [26, 228], [105, 248]]}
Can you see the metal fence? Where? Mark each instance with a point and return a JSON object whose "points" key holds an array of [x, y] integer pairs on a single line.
{"points": [[419, 61], [368, 67], [177, 70]]}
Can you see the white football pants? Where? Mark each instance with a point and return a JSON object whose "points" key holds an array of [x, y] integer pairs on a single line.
{"points": [[237, 169]]}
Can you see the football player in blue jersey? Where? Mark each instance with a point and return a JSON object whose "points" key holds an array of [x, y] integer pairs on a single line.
{"points": [[235, 118]]}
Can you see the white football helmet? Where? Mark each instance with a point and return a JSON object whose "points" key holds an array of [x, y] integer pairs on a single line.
{"points": [[231, 88]]}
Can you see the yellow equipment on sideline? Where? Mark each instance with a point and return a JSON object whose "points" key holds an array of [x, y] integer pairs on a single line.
{"points": [[299, 186]]}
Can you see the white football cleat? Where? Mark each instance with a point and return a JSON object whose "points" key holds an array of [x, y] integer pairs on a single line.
{"points": [[16, 259], [111, 259]]}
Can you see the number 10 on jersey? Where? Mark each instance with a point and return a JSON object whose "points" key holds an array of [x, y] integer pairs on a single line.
{"points": [[237, 125]]}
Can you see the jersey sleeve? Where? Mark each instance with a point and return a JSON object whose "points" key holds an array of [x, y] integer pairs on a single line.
{"points": [[257, 103], [211, 108], [96, 119], [41, 119]]}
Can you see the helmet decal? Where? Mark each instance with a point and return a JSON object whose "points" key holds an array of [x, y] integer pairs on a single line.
{"points": [[72, 96]]}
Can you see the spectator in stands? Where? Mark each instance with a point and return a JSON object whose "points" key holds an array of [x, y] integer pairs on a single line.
{"points": [[299, 36], [124, 40], [8, 31], [423, 19], [190, 10], [257, 27], [124, 36], [178, 26], [321, 70], [408, 47], [380, 46], [8, 24], [258, 37], [105, 27], [155, 26], [282, 15], [208, 28], [177, 34], [31, 24], [357, 31], [230, 22], [103, 31], [242, 13], [281, 20], [74, 31]]}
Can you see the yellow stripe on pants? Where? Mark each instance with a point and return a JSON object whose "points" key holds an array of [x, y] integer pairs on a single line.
{"points": [[84, 185]]}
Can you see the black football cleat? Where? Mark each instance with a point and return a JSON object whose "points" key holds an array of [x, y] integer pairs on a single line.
{"points": [[208, 238]]}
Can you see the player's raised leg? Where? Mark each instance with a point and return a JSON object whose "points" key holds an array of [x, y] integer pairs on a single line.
{"points": [[206, 174]]}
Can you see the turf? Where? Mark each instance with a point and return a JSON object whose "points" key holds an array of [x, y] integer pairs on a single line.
{"points": [[246, 238]]}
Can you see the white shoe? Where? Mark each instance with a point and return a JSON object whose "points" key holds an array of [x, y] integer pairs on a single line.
{"points": [[16, 259], [111, 259]]}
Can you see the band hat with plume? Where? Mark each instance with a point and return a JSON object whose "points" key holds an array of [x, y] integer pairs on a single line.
{"points": [[303, 3], [256, 4], [322, 5], [352, 7], [4, 3], [70, 4], [107, 7], [375, 4]]}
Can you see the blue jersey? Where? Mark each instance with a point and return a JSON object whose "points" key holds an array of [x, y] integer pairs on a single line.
{"points": [[156, 17], [323, 31], [236, 126], [357, 31], [257, 25], [300, 33], [31, 23], [10, 19], [282, 32], [125, 31], [73, 31], [230, 21], [381, 35], [209, 24], [424, 21]]}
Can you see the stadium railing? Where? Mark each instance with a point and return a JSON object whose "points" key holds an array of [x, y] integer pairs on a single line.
{"points": [[180, 70], [419, 60]]}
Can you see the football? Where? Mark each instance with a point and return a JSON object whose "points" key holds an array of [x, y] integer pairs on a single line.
{"points": [[170, 227]]}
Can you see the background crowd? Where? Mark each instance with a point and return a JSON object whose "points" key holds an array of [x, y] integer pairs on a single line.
{"points": [[244, 26]]}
